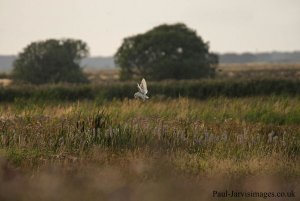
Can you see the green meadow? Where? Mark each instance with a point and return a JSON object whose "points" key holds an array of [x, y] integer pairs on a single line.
{"points": [[84, 144]]}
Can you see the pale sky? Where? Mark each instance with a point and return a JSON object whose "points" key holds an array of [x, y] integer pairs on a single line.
{"points": [[229, 25]]}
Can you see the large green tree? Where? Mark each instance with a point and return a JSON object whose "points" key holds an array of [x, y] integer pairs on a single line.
{"points": [[166, 52], [51, 61]]}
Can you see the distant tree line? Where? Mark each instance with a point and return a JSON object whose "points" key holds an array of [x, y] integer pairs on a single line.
{"points": [[165, 52], [268, 57], [168, 51]]}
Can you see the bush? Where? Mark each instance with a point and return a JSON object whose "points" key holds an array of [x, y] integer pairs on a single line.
{"points": [[194, 89]]}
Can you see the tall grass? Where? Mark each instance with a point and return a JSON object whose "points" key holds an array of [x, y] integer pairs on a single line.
{"points": [[134, 150], [224, 129]]}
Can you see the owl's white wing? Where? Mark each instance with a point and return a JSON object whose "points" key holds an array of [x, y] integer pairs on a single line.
{"points": [[140, 88], [143, 87]]}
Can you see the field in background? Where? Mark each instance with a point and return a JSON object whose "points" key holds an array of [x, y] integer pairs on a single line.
{"points": [[5, 82], [105, 75], [262, 70], [256, 70]]}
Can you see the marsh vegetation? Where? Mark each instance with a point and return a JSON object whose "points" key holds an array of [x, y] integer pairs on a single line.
{"points": [[136, 150]]}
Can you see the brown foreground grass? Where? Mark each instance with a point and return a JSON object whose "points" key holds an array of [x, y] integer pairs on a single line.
{"points": [[134, 177]]}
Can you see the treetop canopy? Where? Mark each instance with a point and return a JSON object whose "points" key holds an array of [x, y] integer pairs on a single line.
{"points": [[166, 52]]}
